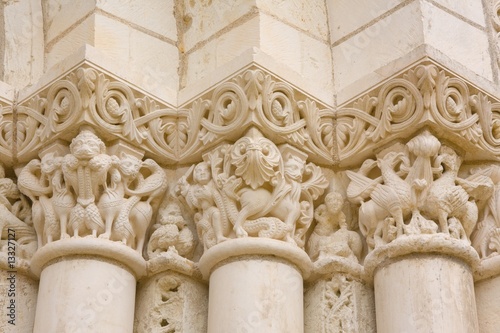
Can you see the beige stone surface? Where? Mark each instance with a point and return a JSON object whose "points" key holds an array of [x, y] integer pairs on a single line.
{"points": [[23, 291], [382, 43], [87, 295], [169, 301], [156, 16], [61, 16], [259, 295], [22, 43], [487, 297], [427, 293], [341, 21], [339, 304], [349, 145]]}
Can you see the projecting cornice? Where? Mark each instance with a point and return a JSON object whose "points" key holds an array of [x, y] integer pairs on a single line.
{"points": [[426, 95], [251, 98]]}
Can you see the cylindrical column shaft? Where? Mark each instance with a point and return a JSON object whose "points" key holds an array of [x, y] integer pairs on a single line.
{"points": [[85, 295], [425, 293], [256, 285], [253, 295], [487, 290]]}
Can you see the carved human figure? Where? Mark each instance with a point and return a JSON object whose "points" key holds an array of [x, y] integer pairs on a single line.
{"points": [[62, 199], [85, 169], [208, 221], [254, 187], [331, 237], [34, 184], [489, 218], [171, 234], [201, 197], [112, 200]]}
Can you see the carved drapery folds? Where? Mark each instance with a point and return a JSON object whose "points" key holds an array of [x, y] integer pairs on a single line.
{"points": [[415, 189], [87, 192], [252, 188]]}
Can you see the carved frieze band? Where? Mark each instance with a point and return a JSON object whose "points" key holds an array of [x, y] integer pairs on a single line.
{"points": [[252, 98], [424, 96]]}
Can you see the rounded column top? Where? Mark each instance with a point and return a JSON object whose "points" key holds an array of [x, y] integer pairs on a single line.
{"points": [[97, 248], [254, 246], [438, 244]]}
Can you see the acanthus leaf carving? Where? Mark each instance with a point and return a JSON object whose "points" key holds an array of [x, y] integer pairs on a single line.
{"points": [[87, 96], [252, 188], [423, 94]]}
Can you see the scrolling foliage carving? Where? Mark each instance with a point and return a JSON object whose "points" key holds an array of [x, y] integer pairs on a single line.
{"points": [[252, 98], [424, 95]]}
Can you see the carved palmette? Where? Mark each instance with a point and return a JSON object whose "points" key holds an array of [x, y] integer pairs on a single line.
{"points": [[254, 188]]}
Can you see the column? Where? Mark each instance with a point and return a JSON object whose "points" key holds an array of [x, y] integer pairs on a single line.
{"points": [[91, 208], [486, 240], [18, 285], [252, 212], [417, 221]]}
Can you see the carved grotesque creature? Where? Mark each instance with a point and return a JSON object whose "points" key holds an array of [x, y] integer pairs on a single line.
{"points": [[171, 234]]}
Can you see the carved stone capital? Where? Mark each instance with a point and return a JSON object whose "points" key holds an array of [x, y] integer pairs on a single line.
{"points": [[252, 188], [415, 190], [88, 192]]}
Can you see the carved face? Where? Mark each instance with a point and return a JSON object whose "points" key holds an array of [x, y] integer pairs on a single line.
{"points": [[201, 173], [129, 165], [294, 168], [86, 145], [334, 202]]}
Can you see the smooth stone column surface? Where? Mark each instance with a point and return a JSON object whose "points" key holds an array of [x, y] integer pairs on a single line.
{"points": [[86, 285], [18, 291], [424, 284], [253, 291], [488, 295]]}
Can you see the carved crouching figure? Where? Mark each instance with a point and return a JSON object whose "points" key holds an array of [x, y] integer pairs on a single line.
{"points": [[331, 237], [171, 234]]}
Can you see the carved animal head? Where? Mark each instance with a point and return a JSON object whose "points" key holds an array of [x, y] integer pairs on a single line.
{"points": [[129, 165], [50, 163], [86, 145], [294, 168], [449, 158]]}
